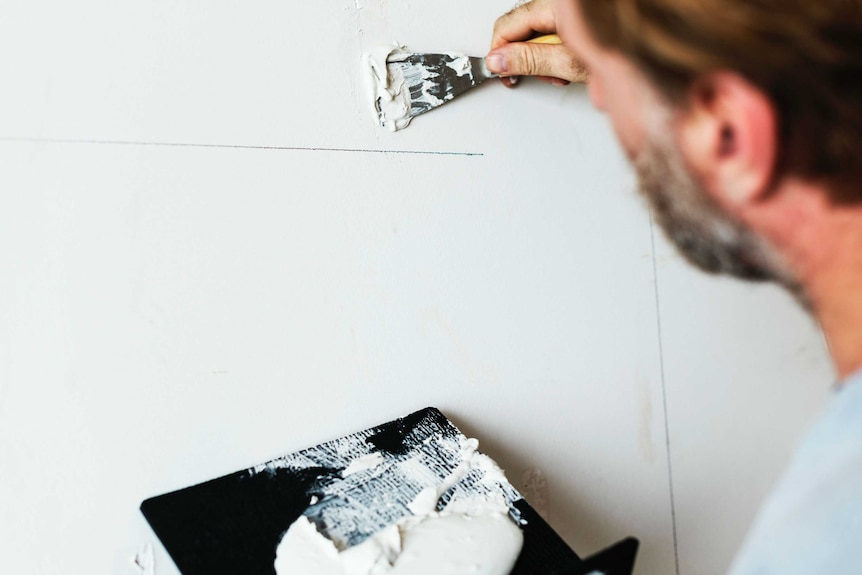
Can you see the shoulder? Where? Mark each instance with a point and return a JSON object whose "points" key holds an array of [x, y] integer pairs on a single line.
{"points": [[812, 522]]}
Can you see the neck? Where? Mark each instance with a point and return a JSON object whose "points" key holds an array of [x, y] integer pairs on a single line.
{"points": [[835, 296], [822, 243]]}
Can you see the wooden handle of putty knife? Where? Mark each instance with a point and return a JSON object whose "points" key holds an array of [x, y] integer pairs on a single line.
{"points": [[547, 39]]}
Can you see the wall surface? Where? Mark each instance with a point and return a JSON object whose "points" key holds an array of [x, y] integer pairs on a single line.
{"points": [[211, 256]]}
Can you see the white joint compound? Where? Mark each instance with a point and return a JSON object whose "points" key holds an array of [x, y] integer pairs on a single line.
{"points": [[471, 535], [389, 96]]}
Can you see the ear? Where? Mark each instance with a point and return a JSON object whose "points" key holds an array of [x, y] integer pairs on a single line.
{"points": [[728, 136]]}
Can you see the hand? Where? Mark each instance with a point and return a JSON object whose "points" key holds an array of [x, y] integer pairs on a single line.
{"points": [[511, 56]]}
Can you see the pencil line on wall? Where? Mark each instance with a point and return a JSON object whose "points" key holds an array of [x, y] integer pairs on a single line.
{"points": [[237, 147], [664, 395]]}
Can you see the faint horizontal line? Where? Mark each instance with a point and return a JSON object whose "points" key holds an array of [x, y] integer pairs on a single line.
{"points": [[235, 147]]}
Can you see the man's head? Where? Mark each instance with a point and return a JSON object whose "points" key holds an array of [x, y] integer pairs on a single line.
{"points": [[806, 57], [704, 233], [719, 103]]}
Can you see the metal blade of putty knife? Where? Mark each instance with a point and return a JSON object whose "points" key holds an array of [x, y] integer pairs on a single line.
{"points": [[434, 79]]}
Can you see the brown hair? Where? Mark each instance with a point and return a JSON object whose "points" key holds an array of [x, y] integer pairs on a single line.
{"points": [[806, 55]]}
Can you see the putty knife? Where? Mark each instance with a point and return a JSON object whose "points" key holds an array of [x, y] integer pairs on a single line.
{"points": [[434, 79]]}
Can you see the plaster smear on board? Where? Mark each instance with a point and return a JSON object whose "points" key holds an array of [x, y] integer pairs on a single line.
{"points": [[467, 538], [465, 531], [375, 489]]}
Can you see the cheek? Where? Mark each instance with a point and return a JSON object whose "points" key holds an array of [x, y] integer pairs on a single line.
{"points": [[620, 109], [627, 125]]}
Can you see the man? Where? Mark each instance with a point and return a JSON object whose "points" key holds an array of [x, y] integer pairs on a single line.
{"points": [[743, 120]]}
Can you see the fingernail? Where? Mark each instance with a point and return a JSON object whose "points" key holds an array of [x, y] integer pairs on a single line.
{"points": [[559, 82], [497, 63], [513, 80]]}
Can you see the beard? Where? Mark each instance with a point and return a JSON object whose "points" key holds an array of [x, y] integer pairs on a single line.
{"points": [[705, 234]]}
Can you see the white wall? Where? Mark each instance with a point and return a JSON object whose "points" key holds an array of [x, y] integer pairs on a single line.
{"points": [[172, 313]]}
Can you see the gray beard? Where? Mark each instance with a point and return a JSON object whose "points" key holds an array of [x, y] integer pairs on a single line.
{"points": [[700, 229]]}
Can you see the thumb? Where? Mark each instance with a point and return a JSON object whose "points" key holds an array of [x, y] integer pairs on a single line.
{"points": [[528, 59]]}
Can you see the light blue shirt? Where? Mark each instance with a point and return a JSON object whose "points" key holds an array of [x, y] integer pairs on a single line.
{"points": [[811, 524]]}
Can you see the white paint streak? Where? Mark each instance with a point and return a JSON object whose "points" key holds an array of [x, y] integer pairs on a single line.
{"points": [[460, 64], [363, 463], [534, 486], [144, 560]]}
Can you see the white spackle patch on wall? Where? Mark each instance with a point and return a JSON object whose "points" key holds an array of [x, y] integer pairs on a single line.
{"points": [[388, 93], [144, 560], [534, 487]]}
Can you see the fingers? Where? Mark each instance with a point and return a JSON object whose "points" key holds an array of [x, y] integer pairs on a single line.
{"points": [[511, 57], [526, 59], [523, 22], [509, 81], [554, 81]]}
